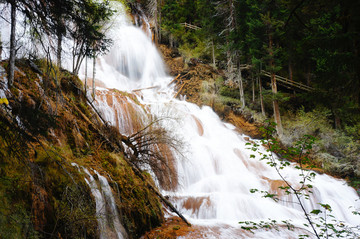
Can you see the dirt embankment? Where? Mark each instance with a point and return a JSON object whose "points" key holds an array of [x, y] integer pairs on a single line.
{"points": [[189, 79]]}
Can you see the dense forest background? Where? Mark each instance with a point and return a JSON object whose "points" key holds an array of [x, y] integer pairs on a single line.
{"points": [[314, 44]]}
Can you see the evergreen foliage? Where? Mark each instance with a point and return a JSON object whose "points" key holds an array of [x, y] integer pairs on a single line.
{"points": [[315, 43], [80, 20]]}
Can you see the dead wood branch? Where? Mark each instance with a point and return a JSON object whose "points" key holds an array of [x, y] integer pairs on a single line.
{"points": [[179, 91], [147, 88]]}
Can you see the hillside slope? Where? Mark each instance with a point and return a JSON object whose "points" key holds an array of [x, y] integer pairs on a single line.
{"points": [[50, 136]]}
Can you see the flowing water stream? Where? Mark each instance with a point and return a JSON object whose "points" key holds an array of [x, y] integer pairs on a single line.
{"points": [[107, 215], [215, 172]]}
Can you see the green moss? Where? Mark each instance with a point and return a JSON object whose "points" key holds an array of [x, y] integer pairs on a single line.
{"points": [[176, 227], [15, 221], [39, 187], [140, 207]]}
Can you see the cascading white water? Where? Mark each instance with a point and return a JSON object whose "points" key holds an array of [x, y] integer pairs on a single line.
{"points": [[217, 173], [130, 64], [119, 110], [109, 224]]}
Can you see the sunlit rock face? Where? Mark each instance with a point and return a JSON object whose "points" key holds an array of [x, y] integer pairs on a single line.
{"points": [[214, 170]]}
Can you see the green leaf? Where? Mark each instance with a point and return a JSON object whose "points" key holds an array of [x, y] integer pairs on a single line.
{"points": [[326, 206], [315, 211], [253, 190]]}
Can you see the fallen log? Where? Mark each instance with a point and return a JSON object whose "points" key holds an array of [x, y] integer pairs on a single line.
{"points": [[179, 91], [175, 79], [147, 88]]}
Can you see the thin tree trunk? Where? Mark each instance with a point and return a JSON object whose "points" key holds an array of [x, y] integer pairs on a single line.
{"points": [[77, 60], [1, 47], [86, 70], [78, 63], [290, 70], [59, 48], [171, 40], [93, 83], [277, 116], [279, 128], [159, 20], [73, 57], [231, 27], [11, 68], [156, 24], [253, 88], [155, 10], [241, 89], [57, 91], [261, 99], [213, 53], [230, 64]]}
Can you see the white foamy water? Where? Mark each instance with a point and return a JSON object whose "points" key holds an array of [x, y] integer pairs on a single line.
{"points": [[106, 211], [130, 64], [217, 173]]}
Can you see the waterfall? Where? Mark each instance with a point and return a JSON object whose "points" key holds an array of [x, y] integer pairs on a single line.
{"points": [[108, 219], [217, 172]]}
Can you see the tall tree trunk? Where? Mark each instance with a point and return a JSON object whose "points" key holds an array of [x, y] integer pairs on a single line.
{"points": [[155, 11], [261, 99], [277, 116], [171, 40], [11, 68], [253, 88], [1, 47], [230, 64], [213, 53], [241, 89], [86, 70], [59, 48], [156, 22], [93, 83], [159, 20], [230, 28], [290, 70]]}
